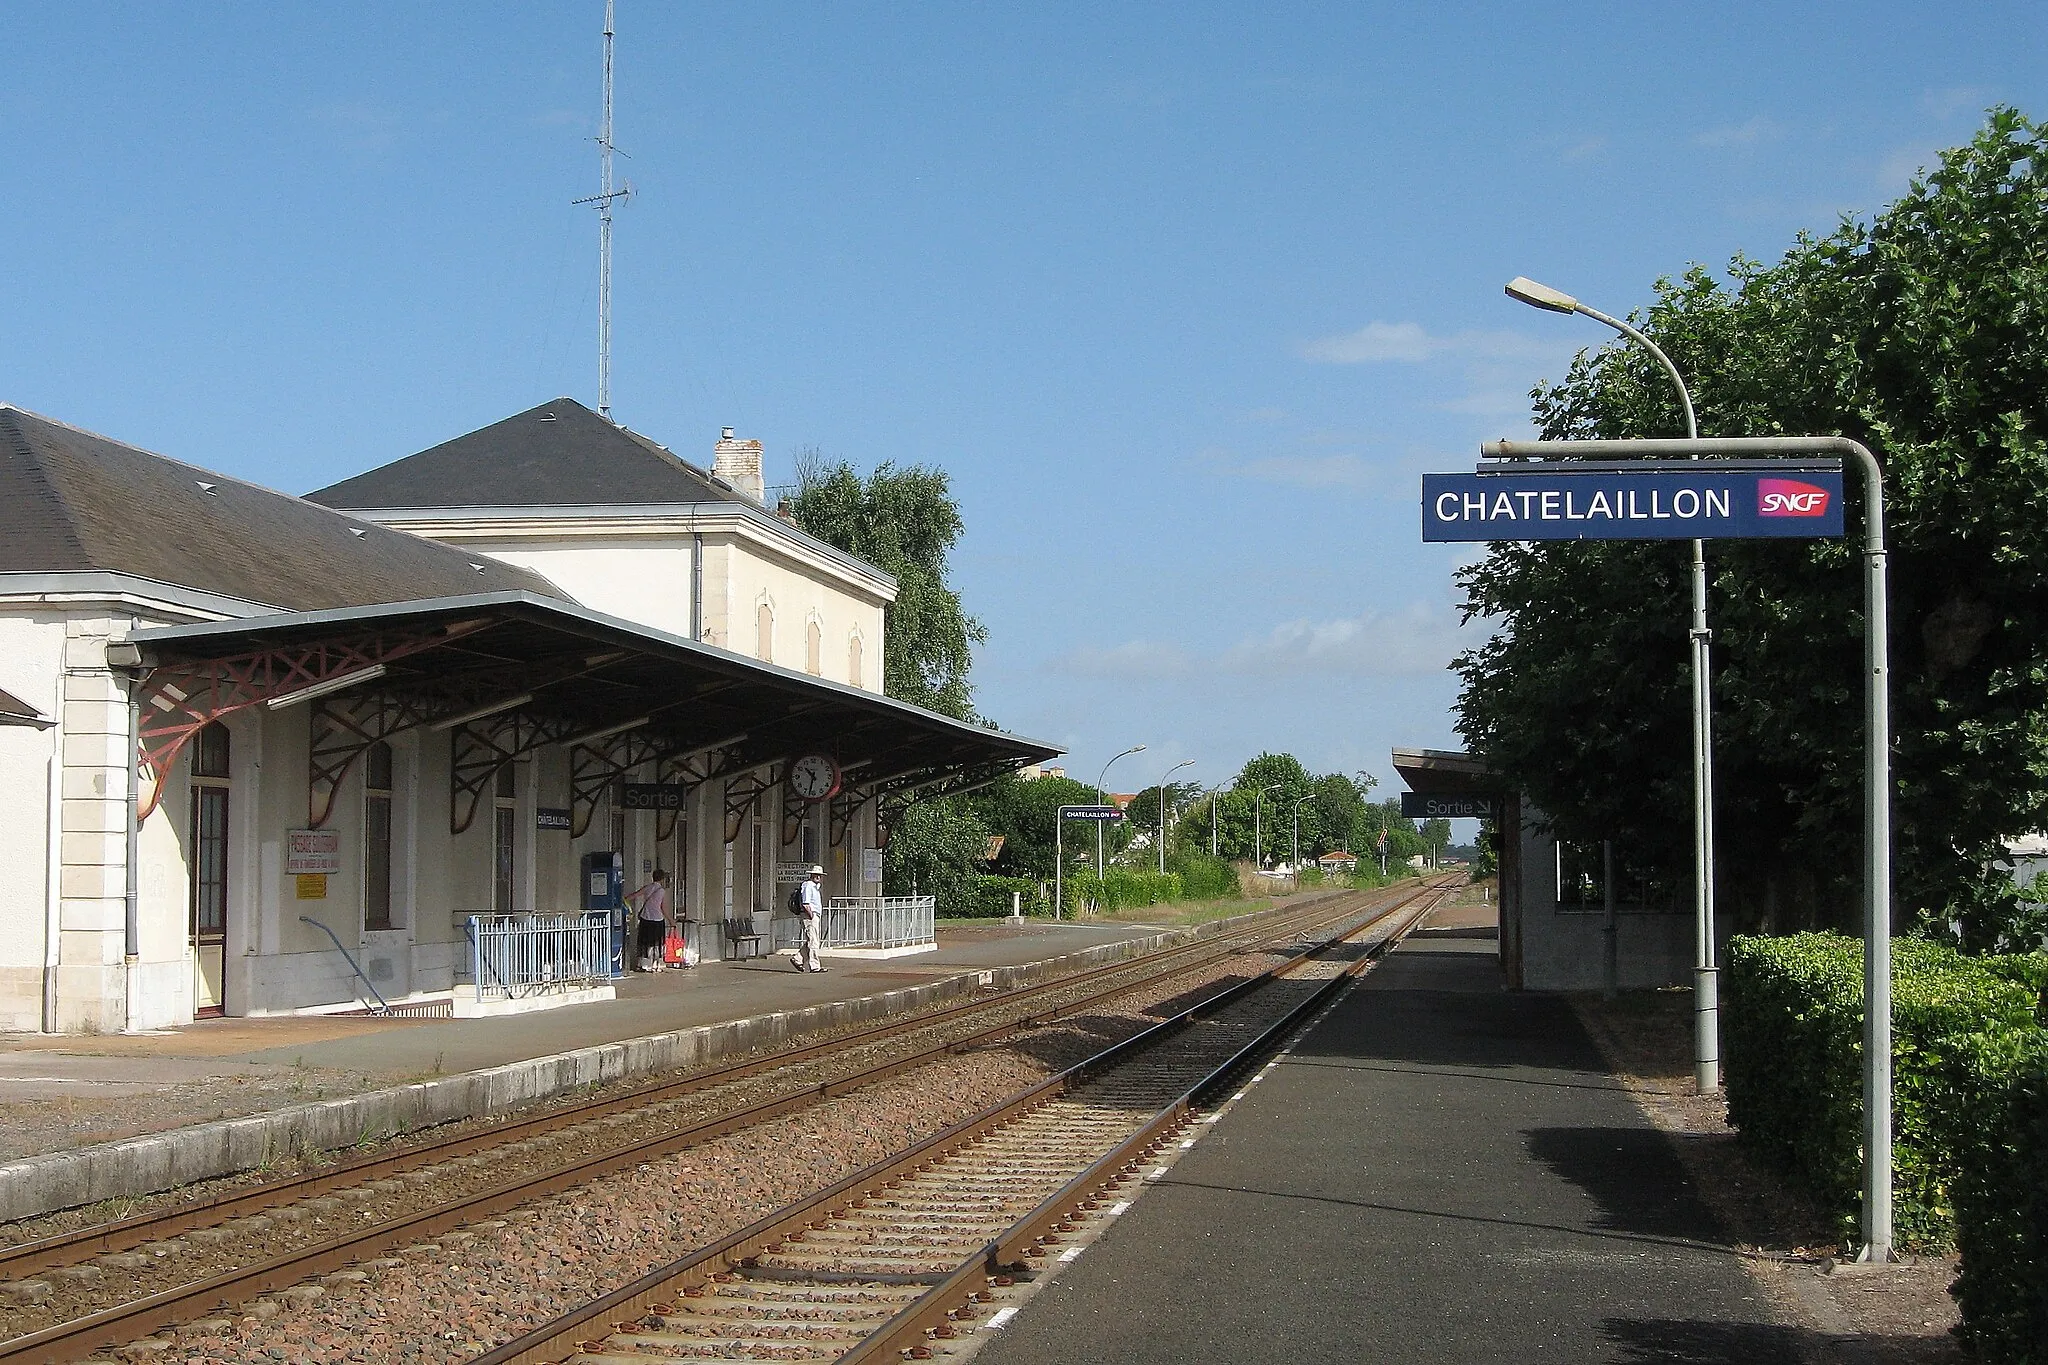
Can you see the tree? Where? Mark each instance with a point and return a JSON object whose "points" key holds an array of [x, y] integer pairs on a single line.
{"points": [[1025, 814], [905, 522], [936, 849], [1919, 334], [1436, 837]]}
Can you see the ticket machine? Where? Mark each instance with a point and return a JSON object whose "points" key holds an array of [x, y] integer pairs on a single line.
{"points": [[604, 888]]}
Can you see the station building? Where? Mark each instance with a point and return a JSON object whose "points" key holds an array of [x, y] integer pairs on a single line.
{"points": [[252, 745], [1558, 931]]}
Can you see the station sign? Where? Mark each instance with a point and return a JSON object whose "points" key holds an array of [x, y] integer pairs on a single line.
{"points": [[1090, 813], [1634, 500], [312, 852], [653, 795], [551, 818], [1422, 806]]}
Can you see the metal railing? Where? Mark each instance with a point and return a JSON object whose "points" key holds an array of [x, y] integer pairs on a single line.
{"points": [[867, 922], [513, 956]]}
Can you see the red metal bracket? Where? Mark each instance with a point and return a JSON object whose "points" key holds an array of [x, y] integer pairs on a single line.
{"points": [[178, 700], [341, 734]]}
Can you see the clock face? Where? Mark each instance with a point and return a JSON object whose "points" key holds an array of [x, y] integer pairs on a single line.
{"points": [[813, 777]]}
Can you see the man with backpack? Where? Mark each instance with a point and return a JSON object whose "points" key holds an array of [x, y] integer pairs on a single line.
{"points": [[807, 903]]}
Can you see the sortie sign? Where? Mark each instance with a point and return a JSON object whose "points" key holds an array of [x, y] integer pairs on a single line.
{"points": [[1667, 500]]}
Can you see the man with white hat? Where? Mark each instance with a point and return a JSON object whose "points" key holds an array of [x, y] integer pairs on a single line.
{"points": [[811, 909]]}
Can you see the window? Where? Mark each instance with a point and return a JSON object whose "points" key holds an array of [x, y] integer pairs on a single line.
{"points": [[764, 633], [210, 835], [504, 838], [853, 661], [814, 649], [377, 837]]}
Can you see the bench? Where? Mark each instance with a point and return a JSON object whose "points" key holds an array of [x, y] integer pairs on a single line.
{"points": [[745, 941]]}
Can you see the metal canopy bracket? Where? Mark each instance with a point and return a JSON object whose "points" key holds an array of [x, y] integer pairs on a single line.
{"points": [[593, 768], [741, 793], [479, 749], [340, 734], [178, 700]]}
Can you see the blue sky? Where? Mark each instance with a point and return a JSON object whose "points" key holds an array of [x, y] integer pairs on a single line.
{"points": [[1184, 297]]}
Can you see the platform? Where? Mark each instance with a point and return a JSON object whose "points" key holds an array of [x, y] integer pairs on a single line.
{"points": [[1438, 1171], [85, 1118]]}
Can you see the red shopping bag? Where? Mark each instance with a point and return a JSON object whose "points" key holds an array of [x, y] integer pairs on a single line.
{"points": [[672, 951]]}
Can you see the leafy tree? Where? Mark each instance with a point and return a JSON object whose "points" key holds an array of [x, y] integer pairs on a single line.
{"points": [[936, 849], [1143, 812], [1436, 837], [1025, 814], [905, 522], [1919, 333]]}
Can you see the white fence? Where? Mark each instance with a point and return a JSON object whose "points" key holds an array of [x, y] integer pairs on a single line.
{"points": [[868, 922], [514, 956]]}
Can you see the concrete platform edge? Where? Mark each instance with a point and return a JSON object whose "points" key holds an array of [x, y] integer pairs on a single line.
{"points": [[150, 1164]]}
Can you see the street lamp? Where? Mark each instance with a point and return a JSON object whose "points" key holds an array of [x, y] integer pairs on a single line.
{"points": [[1706, 988], [1297, 832], [1259, 826], [1162, 811], [1102, 795]]}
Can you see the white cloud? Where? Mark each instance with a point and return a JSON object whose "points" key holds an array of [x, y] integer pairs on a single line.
{"points": [[1585, 149], [1410, 343], [1747, 134], [1896, 172], [1415, 640]]}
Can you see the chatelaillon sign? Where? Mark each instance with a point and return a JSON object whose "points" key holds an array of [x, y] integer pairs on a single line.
{"points": [[1634, 500]]}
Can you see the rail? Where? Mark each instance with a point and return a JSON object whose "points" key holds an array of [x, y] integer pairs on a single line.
{"points": [[515, 956], [868, 922], [382, 1006]]}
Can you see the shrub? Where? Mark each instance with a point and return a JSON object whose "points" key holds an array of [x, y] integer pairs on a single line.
{"points": [[1794, 1034], [1997, 1129], [1203, 878], [991, 898], [1122, 889]]}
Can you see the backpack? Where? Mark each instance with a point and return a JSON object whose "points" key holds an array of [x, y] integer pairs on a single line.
{"points": [[796, 900]]}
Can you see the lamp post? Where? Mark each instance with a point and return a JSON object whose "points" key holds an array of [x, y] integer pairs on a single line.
{"points": [[1186, 762], [1706, 985], [1259, 825], [1297, 832], [1102, 795], [1212, 820]]}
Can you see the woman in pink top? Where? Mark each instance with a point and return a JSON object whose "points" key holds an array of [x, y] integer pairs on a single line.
{"points": [[651, 901]]}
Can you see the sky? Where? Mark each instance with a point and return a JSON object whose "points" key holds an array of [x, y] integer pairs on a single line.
{"points": [[1183, 297]]}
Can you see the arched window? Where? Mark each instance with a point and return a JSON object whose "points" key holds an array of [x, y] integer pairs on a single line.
{"points": [[764, 633], [814, 649], [377, 837], [853, 663], [209, 854]]}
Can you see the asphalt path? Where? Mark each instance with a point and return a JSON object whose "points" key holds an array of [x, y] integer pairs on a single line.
{"points": [[1439, 1171]]}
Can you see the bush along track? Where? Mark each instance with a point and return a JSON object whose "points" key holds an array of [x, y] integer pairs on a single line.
{"points": [[1970, 1107]]}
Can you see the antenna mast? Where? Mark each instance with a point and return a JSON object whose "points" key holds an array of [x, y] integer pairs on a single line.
{"points": [[604, 198]]}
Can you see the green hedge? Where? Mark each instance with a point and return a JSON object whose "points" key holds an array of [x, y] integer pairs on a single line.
{"points": [[1203, 878], [1793, 1034], [1122, 889], [1998, 1134], [990, 898]]}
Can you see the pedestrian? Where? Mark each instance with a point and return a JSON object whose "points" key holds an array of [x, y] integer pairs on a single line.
{"points": [[651, 901], [810, 908]]}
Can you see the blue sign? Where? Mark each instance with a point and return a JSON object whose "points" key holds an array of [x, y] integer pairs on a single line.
{"points": [[1673, 500]]}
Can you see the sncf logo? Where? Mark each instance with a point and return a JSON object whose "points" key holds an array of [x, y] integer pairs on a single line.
{"points": [[1790, 498]]}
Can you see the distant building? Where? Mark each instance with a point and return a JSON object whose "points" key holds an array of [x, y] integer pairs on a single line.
{"points": [[1337, 860]]}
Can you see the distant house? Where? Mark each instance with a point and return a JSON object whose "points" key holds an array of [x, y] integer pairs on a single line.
{"points": [[1337, 860]]}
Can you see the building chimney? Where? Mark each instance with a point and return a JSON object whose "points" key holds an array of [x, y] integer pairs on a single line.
{"points": [[739, 464]]}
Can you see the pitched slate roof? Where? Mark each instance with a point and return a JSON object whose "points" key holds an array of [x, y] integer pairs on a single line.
{"points": [[72, 501], [557, 454]]}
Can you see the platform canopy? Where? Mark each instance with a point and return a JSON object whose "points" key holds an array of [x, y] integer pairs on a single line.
{"points": [[1446, 772], [509, 672]]}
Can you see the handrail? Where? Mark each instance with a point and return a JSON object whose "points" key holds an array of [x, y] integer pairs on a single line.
{"points": [[382, 1006]]}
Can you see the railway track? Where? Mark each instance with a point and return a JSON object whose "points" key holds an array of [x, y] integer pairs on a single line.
{"points": [[905, 1257], [119, 1281]]}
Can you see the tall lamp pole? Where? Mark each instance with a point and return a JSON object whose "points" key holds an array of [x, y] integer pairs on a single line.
{"points": [[1102, 795], [1186, 762], [1259, 826], [1297, 832], [1706, 986]]}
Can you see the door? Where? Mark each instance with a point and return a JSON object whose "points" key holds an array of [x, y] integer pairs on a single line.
{"points": [[209, 914]]}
